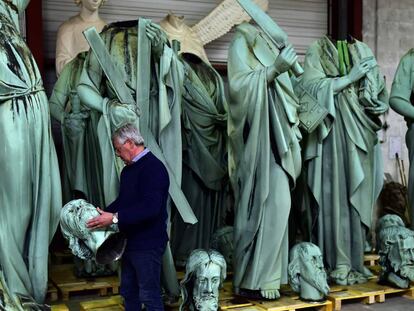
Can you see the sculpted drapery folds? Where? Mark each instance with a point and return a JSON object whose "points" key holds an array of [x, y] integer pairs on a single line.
{"points": [[342, 159], [264, 160], [82, 172], [203, 124], [401, 102], [30, 194]]}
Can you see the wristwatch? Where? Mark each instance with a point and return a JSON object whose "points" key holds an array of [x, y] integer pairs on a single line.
{"points": [[115, 218]]}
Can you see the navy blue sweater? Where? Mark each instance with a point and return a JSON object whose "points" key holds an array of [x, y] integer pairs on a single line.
{"points": [[142, 203]]}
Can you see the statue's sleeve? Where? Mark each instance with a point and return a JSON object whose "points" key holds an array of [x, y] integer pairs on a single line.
{"points": [[248, 84], [90, 83], [60, 94], [402, 85], [316, 82]]}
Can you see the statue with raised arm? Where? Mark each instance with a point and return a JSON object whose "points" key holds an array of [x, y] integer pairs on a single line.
{"points": [[30, 194], [264, 158], [307, 275], [70, 40], [401, 101], [150, 98], [342, 156]]}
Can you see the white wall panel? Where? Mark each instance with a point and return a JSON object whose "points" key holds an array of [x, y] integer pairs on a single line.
{"points": [[303, 20]]}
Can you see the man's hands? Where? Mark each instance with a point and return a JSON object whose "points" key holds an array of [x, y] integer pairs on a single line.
{"points": [[101, 221], [360, 70], [157, 36]]}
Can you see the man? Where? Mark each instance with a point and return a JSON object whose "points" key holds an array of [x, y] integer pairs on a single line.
{"points": [[204, 274], [140, 211]]}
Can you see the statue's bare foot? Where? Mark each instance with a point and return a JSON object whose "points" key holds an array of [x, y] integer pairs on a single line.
{"points": [[270, 294]]}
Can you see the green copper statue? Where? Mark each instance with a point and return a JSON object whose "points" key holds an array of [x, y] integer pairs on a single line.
{"points": [[307, 274], [264, 159], [342, 158], [401, 102], [82, 169], [396, 256], [30, 194], [204, 275], [149, 97], [204, 143], [104, 246]]}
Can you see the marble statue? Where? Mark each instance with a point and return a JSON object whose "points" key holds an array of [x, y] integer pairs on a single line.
{"points": [[70, 40], [103, 245], [307, 274], [30, 193], [204, 275], [204, 142], [82, 169], [342, 156], [401, 102], [396, 256], [264, 158]]}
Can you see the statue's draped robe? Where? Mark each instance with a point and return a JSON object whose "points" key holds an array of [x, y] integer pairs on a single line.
{"points": [[164, 109], [264, 160], [402, 88], [204, 122], [342, 159], [30, 194], [82, 158]]}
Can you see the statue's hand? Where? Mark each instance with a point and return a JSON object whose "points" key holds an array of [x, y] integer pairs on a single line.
{"points": [[360, 70], [157, 36], [285, 59]]}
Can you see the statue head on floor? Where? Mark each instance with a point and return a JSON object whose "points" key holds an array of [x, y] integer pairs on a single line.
{"points": [[307, 274], [105, 245], [204, 274], [396, 255]]}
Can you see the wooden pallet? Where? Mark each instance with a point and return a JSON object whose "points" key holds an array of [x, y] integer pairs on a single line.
{"points": [[109, 304], [291, 304], [371, 259], [359, 292], [66, 282], [62, 257], [52, 292], [392, 291], [60, 307]]}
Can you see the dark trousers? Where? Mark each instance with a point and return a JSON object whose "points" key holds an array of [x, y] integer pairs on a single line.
{"points": [[140, 279]]}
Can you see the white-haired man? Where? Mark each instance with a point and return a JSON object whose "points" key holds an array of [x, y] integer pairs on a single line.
{"points": [[140, 211]]}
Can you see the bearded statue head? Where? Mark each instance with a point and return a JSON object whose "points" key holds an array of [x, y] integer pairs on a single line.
{"points": [[306, 271], [396, 255], [204, 275], [104, 245]]}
